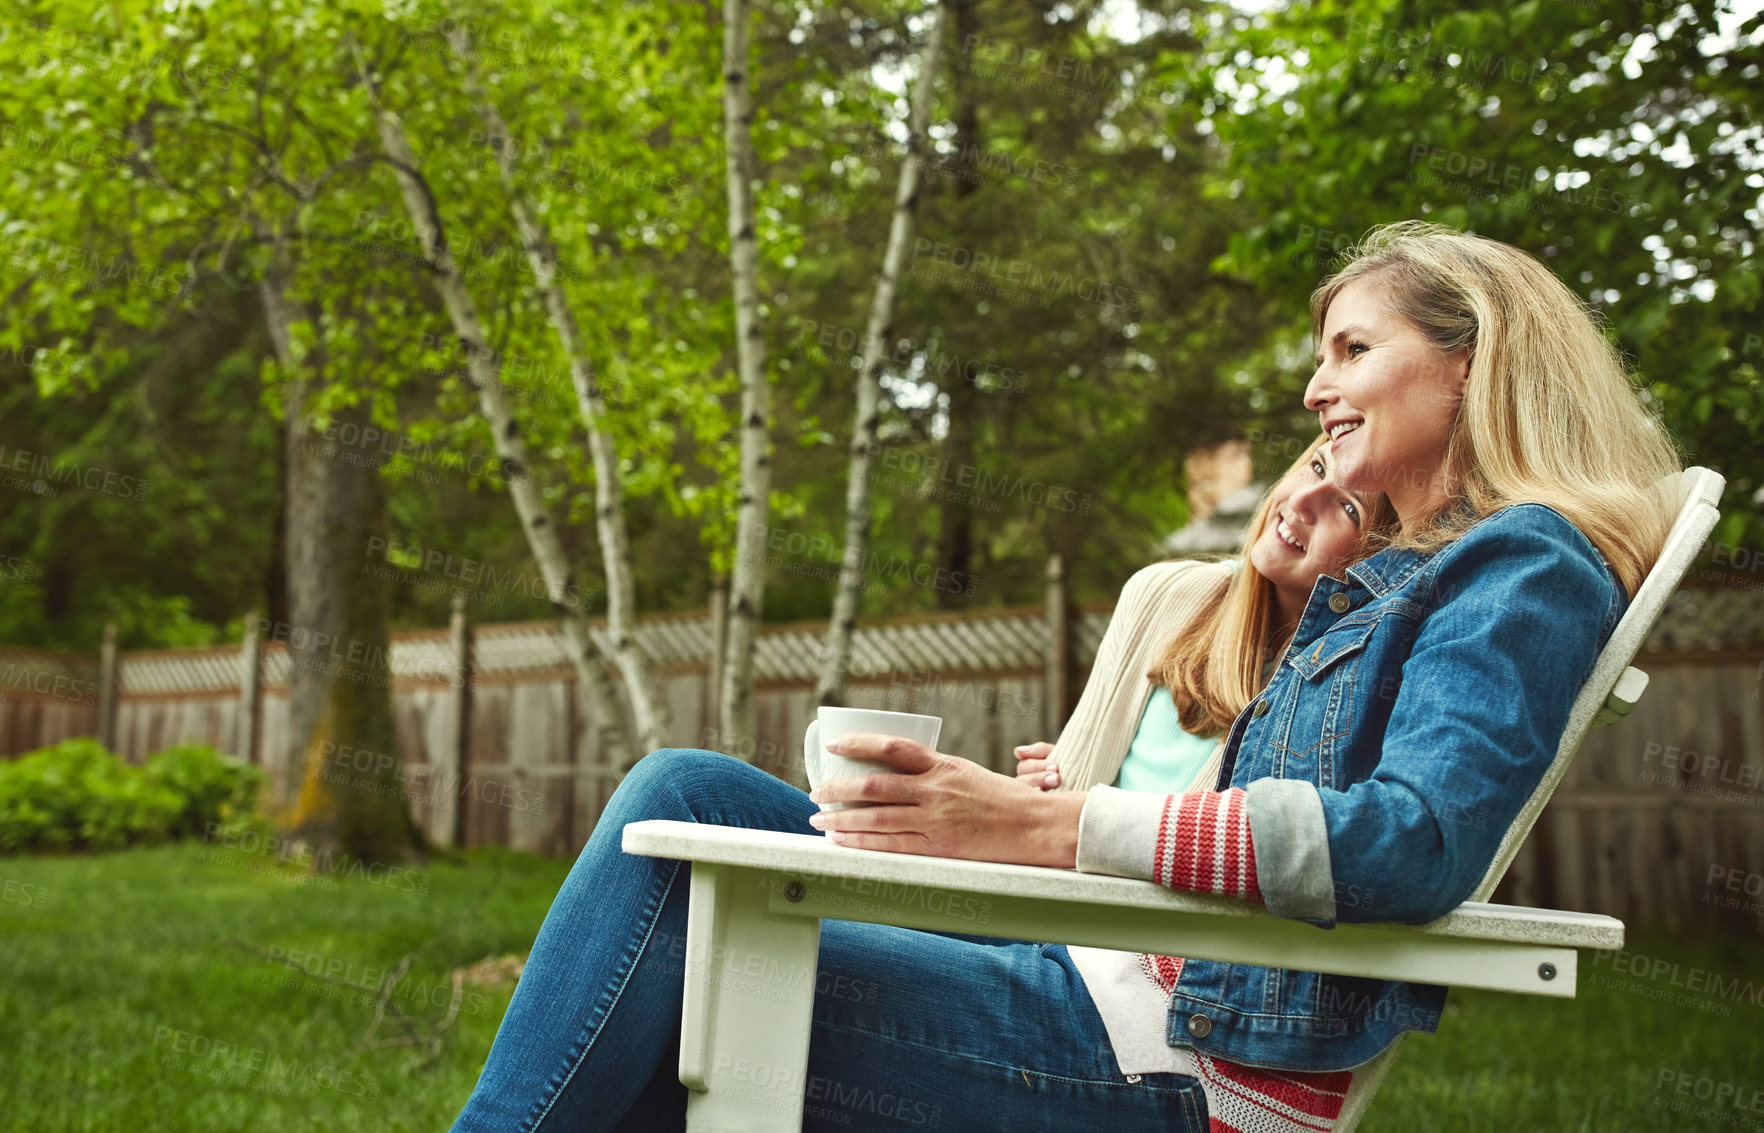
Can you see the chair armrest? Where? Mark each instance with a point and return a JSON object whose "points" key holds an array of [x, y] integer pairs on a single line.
{"points": [[1503, 947]]}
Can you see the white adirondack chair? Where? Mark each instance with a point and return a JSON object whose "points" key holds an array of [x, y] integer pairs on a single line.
{"points": [[757, 899]]}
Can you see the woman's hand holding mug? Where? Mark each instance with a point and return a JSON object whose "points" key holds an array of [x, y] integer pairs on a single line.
{"points": [[927, 802]]}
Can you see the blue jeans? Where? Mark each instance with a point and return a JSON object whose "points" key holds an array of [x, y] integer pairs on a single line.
{"points": [[911, 1029]]}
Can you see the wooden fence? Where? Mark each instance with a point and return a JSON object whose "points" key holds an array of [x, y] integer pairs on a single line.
{"points": [[1660, 819]]}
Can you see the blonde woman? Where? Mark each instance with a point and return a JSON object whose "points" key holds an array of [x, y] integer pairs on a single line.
{"points": [[1417, 703]]}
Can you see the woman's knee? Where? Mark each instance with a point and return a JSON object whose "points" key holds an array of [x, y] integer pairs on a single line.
{"points": [[669, 766], [681, 773]]}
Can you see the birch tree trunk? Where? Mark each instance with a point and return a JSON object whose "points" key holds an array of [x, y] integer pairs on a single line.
{"points": [[747, 583], [647, 705], [339, 646], [878, 332], [600, 700]]}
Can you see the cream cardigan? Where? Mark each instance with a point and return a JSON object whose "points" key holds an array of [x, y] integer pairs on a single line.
{"points": [[1157, 603]]}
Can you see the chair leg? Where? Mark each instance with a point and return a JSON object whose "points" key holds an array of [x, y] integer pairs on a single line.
{"points": [[749, 1003]]}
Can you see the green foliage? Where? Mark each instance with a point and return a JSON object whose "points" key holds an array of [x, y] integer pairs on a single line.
{"points": [[78, 795], [216, 788], [1211, 164]]}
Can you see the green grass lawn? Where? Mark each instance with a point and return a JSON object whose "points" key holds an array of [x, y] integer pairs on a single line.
{"points": [[116, 989]]}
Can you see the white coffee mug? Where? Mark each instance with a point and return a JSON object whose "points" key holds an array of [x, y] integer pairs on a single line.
{"points": [[837, 723]]}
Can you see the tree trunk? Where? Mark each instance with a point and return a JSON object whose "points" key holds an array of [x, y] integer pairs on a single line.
{"points": [[275, 574], [339, 649], [647, 705], [955, 536], [878, 333], [600, 699], [747, 583]]}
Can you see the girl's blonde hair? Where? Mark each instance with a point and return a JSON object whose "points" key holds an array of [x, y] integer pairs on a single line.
{"points": [[1549, 414], [1213, 667]]}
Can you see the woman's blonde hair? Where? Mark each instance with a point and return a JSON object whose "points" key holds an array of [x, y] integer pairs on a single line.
{"points": [[1549, 414], [1213, 667]]}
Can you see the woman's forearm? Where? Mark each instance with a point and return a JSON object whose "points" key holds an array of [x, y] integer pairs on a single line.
{"points": [[1197, 841]]}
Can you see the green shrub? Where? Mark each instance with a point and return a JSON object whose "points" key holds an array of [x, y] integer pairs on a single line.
{"points": [[77, 795], [215, 787]]}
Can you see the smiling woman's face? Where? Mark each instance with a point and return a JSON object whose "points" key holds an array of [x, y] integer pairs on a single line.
{"points": [[1313, 526], [1388, 399]]}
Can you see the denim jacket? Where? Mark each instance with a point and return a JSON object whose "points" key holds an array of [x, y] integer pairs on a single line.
{"points": [[1418, 706]]}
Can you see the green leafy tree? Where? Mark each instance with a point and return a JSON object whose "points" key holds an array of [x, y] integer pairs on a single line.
{"points": [[1619, 143]]}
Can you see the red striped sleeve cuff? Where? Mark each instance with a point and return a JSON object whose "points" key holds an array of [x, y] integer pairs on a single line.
{"points": [[1204, 846]]}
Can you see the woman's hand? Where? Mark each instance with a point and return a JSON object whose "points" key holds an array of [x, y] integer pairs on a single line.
{"points": [[1035, 769], [944, 806]]}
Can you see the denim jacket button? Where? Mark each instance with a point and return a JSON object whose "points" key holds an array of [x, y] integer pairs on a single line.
{"points": [[1339, 603], [1200, 1026], [1261, 710]]}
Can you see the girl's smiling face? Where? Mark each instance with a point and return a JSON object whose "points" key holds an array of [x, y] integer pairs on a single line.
{"points": [[1388, 399], [1313, 526]]}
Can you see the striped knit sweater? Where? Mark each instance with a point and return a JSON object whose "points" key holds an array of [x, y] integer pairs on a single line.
{"points": [[1197, 841]]}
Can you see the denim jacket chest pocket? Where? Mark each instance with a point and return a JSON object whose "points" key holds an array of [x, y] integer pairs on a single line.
{"points": [[1336, 679]]}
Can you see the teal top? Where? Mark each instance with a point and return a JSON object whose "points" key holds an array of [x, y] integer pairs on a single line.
{"points": [[1162, 759]]}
